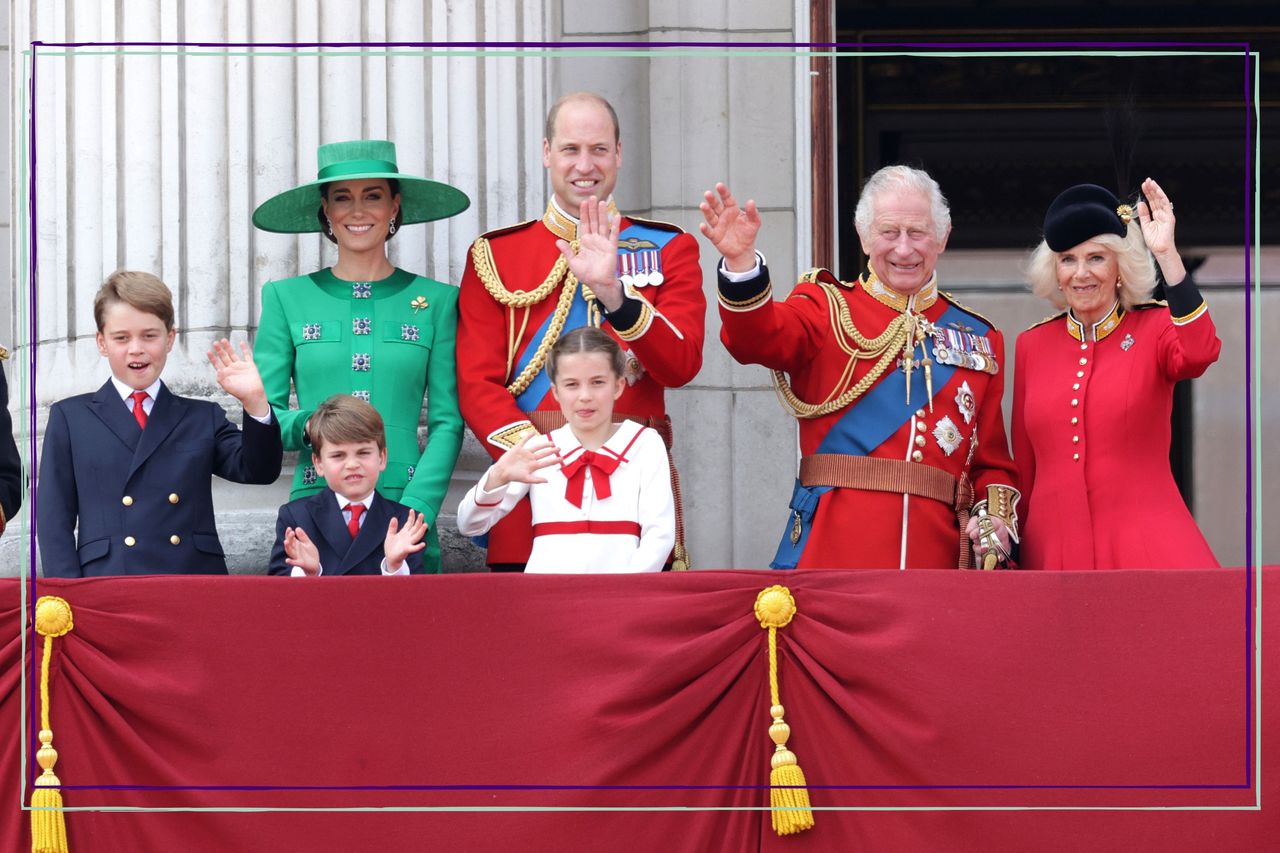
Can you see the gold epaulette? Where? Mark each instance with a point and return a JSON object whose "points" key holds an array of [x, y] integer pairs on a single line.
{"points": [[1048, 319], [4, 354], [956, 302], [816, 274], [489, 235], [654, 223]]}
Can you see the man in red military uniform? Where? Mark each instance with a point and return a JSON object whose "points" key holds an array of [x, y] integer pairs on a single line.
{"points": [[896, 386], [582, 262]]}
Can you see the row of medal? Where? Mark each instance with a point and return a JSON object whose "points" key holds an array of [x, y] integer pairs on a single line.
{"points": [[641, 268], [963, 349]]}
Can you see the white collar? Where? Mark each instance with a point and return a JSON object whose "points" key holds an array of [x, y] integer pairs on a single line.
{"points": [[565, 225], [568, 445], [126, 392], [613, 208], [343, 503]]}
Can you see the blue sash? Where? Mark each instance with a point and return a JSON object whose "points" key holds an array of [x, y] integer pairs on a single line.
{"points": [[804, 502], [869, 422], [533, 395], [529, 399]]}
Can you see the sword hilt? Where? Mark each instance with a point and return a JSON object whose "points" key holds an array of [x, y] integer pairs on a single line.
{"points": [[987, 535]]}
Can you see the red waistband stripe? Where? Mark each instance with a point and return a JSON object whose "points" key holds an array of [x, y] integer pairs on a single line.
{"points": [[554, 528]]}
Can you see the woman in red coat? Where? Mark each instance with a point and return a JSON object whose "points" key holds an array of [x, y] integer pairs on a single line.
{"points": [[1093, 389]]}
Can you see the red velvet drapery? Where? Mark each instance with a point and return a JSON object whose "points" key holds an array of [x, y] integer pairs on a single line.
{"points": [[927, 690]]}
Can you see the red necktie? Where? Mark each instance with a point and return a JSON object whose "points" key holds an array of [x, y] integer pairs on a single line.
{"points": [[601, 465], [139, 413], [354, 524]]}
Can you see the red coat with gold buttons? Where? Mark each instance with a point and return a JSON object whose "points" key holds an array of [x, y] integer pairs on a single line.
{"points": [[1091, 427]]}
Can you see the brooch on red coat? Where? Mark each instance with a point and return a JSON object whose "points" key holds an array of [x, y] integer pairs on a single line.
{"points": [[947, 434], [1127, 342], [633, 369], [965, 400]]}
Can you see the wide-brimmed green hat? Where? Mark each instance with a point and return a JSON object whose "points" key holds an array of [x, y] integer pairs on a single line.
{"points": [[421, 200]]}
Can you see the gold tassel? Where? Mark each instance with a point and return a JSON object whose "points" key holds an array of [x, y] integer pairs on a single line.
{"points": [[48, 829], [48, 826], [679, 558], [909, 351], [594, 317], [788, 794]]}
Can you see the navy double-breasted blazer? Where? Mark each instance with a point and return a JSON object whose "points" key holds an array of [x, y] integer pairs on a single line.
{"points": [[142, 498], [321, 518]]}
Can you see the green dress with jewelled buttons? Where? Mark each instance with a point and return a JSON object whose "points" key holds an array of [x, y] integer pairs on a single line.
{"points": [[386, 342]]}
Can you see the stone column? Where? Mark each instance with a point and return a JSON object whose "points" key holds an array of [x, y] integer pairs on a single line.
{"points": [[154, 158]]}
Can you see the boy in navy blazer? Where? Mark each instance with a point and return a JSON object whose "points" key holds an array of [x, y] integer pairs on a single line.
{"points": [[347, 529], [129, 467]]}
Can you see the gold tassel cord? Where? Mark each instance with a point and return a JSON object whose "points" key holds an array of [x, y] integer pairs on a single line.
{"points": [[487, 272], [594, 317], [48, 827], [511, 340], [788, 794], [558, 318], [885, 347]]}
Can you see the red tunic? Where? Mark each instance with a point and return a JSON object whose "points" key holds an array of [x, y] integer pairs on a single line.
{"points": [[1091, 438], [660, 325], [862, 528]]}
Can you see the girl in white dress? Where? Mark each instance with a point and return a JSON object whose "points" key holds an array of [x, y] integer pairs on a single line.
{"points": [[600, 491]]}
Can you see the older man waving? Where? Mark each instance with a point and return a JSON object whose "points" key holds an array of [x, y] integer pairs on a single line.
{"points": [[896, 387]]}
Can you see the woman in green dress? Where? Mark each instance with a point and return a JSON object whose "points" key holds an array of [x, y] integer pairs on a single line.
{"points": [[364, 327]]}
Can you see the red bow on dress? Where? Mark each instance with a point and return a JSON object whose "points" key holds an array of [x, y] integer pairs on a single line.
{"points": [[601, 464]]}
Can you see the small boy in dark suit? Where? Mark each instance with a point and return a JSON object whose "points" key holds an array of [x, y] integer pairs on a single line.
{"points": [[125, 483], [347, 529]]}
